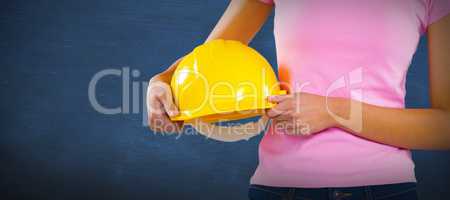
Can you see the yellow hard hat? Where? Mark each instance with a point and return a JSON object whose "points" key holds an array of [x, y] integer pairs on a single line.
{"points": [[223, 80]]}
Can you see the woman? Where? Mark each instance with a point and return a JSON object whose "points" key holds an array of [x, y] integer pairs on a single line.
{"points": [[344, 64]]}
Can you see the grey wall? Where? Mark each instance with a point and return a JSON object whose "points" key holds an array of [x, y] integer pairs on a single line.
{"points": [[54, 145]]}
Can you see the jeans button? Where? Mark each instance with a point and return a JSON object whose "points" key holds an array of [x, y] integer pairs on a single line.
{"points": [[338, 195]]}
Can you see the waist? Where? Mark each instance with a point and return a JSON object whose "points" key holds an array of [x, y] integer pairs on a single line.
{"points": [[404, 190], [331, 158]]}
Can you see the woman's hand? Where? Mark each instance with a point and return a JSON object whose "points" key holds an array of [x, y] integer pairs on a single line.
{"points": [[301, 113], [160, 106]]}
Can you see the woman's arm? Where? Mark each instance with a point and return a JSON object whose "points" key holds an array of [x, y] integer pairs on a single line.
{"points": [[407, 128], [241, 21], [418, 128]]}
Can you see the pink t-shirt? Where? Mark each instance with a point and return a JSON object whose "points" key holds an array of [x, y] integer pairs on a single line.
{"points": [[359, 49]]}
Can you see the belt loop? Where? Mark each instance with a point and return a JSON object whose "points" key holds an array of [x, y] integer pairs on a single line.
{"points": [[368, 192], [330, 193], [291, 194]]}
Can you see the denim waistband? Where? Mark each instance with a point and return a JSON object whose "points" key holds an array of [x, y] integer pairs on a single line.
{"points": [[375, 192]]}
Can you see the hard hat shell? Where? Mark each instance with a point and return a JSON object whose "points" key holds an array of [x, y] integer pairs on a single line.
{"points": [[223, 80]]}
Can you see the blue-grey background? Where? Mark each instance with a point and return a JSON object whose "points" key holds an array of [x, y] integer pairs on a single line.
{"points": [[54, 145]]}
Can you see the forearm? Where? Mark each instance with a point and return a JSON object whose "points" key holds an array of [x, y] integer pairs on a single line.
{"points": [[166, 75], [406, 128], [241, 21]]}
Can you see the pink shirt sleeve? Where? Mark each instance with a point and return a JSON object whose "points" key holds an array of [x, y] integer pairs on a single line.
{"points": [[437, 9], [267, 1]]}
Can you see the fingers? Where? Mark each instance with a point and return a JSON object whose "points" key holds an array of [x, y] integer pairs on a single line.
{"points": [[295, 117], [161, 123], [168, 104], [279, 98], [164, 94], [160, 105], [280, 109], [284, 104]]}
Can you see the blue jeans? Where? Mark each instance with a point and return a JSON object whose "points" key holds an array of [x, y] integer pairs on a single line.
{"points": [[401, 191]]}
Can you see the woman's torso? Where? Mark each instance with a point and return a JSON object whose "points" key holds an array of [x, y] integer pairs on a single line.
{"points": [[359, 49]]}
